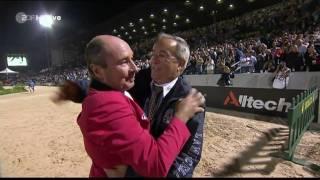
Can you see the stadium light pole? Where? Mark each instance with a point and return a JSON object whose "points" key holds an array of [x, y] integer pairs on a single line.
{"points": [[46, 21]]}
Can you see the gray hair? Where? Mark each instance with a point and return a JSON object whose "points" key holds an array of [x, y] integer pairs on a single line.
{"points": [[182, 48], [93, 53]]}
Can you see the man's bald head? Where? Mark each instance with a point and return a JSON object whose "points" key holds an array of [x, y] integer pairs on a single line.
{"points": [[101, 46]]}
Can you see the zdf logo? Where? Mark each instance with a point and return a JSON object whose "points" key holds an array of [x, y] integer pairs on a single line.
{"points": [[22, 17]]}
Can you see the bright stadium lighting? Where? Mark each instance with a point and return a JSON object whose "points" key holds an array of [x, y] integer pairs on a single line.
{"points": [[145, 32], [164, 20], [143, 28], [115, 31], [177, 16], [131, 24], [126, 33], [165, 11], [219, 1], [141, 20], [46, 20], [134, 30], [187, 20], [122, 27], [201, 8], [151, 16], [231, 6], [187, 3], [175, 24]]}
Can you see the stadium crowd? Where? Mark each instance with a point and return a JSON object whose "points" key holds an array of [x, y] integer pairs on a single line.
{"points": [[255, 42]]}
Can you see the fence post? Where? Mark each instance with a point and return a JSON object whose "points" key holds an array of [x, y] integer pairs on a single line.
{"points": [[317, 108]]}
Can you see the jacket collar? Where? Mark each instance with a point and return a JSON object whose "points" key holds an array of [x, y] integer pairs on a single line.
{"points": [[179, 90], [97, 85]]}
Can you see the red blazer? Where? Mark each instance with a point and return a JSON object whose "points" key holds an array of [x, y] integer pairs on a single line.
{"points": [[116, 132]]}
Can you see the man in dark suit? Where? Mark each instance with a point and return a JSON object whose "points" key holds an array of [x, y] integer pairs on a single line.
{"points": [[170, 55], [158, 90]]}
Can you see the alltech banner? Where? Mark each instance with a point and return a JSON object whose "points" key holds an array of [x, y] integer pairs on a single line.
{"points": [[272, 102]]}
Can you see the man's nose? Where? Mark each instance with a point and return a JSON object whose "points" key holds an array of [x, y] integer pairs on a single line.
{"points": [[154, 60], [133, 66]]}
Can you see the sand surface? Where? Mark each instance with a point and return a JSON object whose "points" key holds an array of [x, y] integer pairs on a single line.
{"points": [[41, 139]]}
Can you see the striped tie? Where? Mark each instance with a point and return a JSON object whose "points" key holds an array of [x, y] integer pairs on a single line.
{"points": [[154, 100]]}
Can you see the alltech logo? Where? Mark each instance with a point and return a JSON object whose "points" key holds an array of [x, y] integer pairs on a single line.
{"points": [[245, 101]]}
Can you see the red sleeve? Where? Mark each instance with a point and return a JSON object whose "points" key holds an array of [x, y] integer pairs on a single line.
{"points": [[116, 127]]}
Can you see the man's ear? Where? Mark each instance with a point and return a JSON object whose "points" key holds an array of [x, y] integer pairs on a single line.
{"points": [[95, 70], [181, 66]]}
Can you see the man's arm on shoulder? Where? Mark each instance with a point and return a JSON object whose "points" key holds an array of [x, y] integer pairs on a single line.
{"points": [[74, 91], [190, 155]]}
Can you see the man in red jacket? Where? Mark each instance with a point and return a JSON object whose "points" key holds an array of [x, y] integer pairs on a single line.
{"points": [[115, 129]]}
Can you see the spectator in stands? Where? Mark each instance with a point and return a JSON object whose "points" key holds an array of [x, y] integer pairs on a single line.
{"points": [[277, 52], [293, 59], [210, 65], [261, 58], [248, 62], [226, 74], [302, 49], [193, 63], [239, 52], [199, 63], [281, 77], [269, 64], [311, 58]]}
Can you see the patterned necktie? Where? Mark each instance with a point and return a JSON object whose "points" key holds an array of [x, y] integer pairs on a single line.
{"points": [[154, 100]]}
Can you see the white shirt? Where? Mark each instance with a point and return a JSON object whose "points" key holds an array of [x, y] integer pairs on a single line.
{"points": [[126, 93], [281, 80], [167, 86]]}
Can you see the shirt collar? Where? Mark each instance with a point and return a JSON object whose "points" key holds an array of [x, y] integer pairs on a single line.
{"points": [[167, 86]]}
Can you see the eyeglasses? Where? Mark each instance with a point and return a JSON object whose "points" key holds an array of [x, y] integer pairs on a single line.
{"points": [[162, 56]]}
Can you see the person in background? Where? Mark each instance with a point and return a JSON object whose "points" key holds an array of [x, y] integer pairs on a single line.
{"points": [[281, 78], [31, 84]]}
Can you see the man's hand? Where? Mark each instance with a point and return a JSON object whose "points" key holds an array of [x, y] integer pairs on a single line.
{"points": [[68, 91], [187, 107]]}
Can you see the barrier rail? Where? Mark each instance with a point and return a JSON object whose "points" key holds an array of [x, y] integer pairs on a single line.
{"points": [[304, 109]]}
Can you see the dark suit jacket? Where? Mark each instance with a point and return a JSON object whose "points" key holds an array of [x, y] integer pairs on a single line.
{"points": [[190, 155]]}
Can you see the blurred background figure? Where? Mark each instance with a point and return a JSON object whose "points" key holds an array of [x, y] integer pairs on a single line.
{"points": [[31, 84], [281, 78]]}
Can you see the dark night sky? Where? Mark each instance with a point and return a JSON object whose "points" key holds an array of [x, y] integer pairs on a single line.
{"points": [[29, 37], [79, 16]]}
